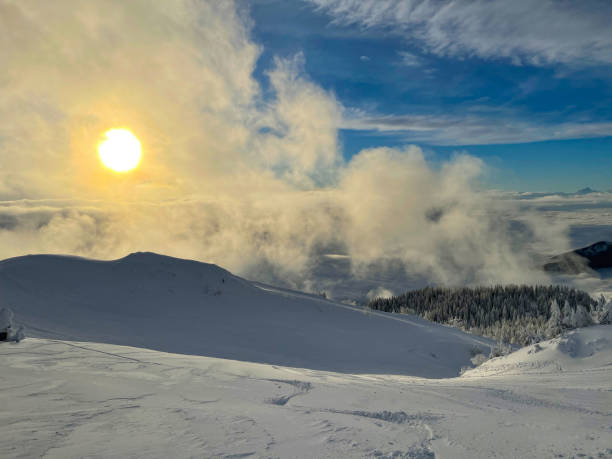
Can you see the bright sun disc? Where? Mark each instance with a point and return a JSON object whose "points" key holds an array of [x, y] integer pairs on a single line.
{"points": [[120, 150]]}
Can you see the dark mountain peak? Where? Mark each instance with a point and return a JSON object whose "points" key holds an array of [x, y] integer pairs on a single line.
{"points": [[594, 256], [594, 249], [586, 190]]}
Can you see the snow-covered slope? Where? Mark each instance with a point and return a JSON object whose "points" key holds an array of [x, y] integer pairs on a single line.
{"points": [[65, 398], [576, 350], [62, 399], [173, 305]]}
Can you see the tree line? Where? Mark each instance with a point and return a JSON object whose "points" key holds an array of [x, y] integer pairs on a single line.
{"points": [[518, 314]]}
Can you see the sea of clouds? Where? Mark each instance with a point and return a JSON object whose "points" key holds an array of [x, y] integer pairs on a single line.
{"points": [[250, 178]]}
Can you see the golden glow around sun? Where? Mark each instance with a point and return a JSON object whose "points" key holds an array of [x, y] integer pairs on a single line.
{"points": [[120, 150]]}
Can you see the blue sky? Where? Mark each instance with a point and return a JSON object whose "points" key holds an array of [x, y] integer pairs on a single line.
{"points": [[526, 88]]}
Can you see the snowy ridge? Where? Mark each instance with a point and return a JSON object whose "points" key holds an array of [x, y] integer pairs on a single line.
{"points": [[181, 306]]}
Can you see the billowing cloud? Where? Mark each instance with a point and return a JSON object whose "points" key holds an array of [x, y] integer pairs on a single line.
{"points": [[525, 32], [230, 175]]}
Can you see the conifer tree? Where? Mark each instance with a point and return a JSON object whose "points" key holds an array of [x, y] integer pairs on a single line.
{"points": [[519, 314], [553, 326]]}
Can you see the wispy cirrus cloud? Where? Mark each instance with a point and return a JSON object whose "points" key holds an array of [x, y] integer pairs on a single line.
{"points": [[525, 32], [472, 128], [409, 59]]}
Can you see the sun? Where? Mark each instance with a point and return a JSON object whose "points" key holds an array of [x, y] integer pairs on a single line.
{"points": [[120, 150]]}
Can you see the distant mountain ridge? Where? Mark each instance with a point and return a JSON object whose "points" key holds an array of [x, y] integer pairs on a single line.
{"points": [[543, 194], [587, 190], [594, 256]]}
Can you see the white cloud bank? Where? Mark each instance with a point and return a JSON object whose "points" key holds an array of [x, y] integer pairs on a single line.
{"points": [[254, 184], [530, 32]]}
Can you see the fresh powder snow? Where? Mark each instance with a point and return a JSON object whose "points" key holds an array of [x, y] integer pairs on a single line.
{"points": [[173, 305], [151, 356]]}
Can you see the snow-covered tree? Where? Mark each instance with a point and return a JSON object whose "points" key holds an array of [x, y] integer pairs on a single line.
{"points": [[520, 314], [605, 315], [601, 302], [553, 326], [581, 317], [568, 316]]}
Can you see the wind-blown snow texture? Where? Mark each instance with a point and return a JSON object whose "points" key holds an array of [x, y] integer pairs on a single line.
{"points": [[173, 305], [64, 399]]}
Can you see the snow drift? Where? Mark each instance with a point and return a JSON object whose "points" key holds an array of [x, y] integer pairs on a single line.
{"points": [[181, 306], [576, 350]]}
